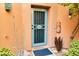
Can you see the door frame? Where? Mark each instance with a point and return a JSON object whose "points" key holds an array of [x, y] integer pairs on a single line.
{"points": [[46, 27]]}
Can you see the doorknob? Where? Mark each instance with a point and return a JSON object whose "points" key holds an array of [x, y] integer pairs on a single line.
{"points": [[32, 26]]}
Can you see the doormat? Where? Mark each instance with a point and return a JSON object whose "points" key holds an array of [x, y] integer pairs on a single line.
{"points": [[42, 52]]}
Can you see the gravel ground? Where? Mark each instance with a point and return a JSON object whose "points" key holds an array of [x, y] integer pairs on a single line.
{"points": [[61, 53]]}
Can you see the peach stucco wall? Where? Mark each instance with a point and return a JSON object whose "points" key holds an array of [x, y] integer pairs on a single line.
{"points": [[15, 26], [27, 22], [10, 27], [65, 25]]}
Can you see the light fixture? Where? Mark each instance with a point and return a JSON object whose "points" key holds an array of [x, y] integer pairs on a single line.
{"points": [[8, 6], [70, 13]]}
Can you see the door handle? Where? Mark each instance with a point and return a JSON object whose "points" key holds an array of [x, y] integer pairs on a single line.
{"points": [[32, 26]]}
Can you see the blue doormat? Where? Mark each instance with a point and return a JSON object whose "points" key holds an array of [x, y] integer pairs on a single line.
{"points": [[42, 52]]}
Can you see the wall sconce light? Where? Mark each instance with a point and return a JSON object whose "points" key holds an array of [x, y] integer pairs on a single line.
{"points": [[8, 6], [70, 13]]}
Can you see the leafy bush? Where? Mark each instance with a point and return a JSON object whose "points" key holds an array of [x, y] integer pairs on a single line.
{"points": [[5, 52], [74, 49], [75, 44]]}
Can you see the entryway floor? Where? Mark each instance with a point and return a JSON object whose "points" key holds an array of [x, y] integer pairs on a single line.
{"points": [[52, 50]]}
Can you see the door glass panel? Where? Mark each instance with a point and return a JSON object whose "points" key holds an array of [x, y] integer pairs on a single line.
{"points": [[39, 17], [38, 35]]}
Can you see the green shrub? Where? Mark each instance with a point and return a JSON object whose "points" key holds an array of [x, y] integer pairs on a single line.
{"points": [[74, 49], [6, 52], [75, 44]]}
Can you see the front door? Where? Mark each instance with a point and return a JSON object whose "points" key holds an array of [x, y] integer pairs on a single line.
{"points": [[39, 27]]}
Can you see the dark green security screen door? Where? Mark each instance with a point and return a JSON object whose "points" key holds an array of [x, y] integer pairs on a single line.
{"points": [[39, 27]]}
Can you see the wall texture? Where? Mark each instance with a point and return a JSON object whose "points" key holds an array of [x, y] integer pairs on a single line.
{"points": [[15, 26], [10, 27]]}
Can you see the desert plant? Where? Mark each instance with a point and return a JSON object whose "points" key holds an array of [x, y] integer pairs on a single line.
{"points": [[74, 49], [58, 43], [6, 52]]}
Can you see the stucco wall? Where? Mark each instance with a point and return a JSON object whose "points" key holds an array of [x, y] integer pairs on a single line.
{"points": [[65, 25], [27, 22], [55, 13], [15, 26], [10, 27], [74, 23]]}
